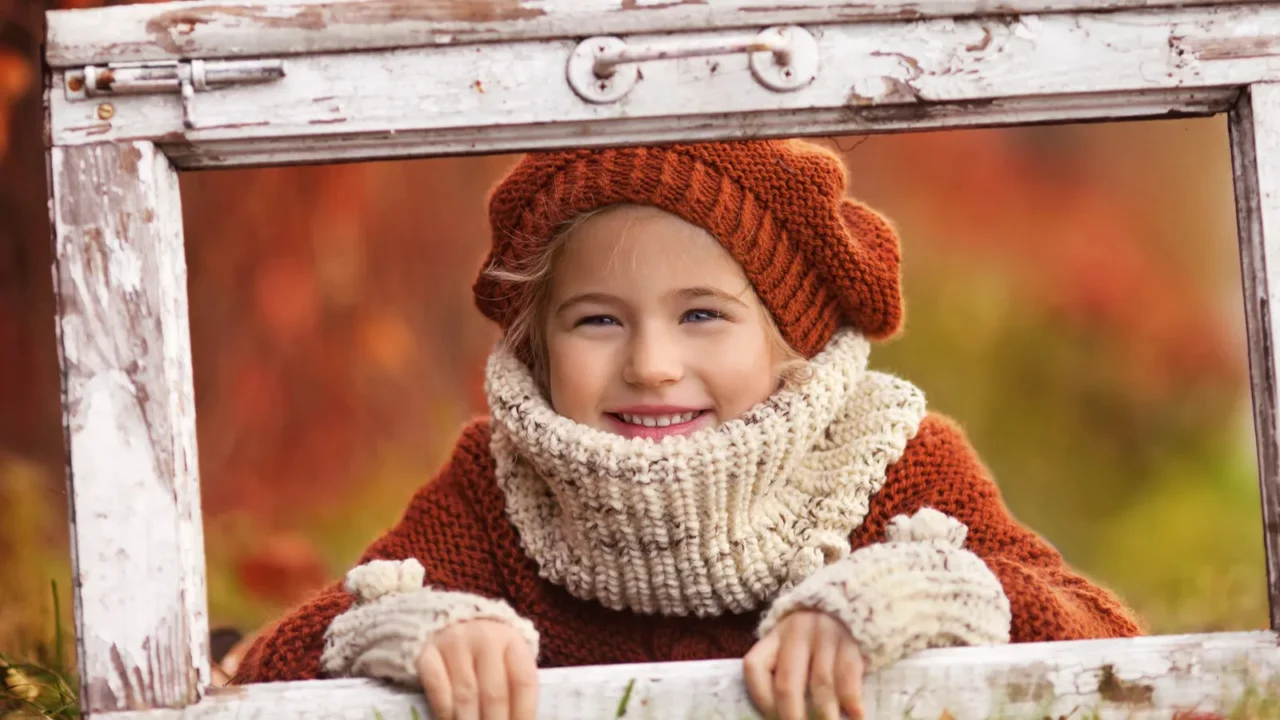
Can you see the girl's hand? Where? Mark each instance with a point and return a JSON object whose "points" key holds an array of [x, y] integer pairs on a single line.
{"points": [[806, 650], [479, 669]]}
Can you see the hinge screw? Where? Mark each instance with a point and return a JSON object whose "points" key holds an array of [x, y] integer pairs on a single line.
{"points": [[106, 111]]}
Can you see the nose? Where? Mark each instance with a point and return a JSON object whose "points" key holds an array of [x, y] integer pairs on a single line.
{"points": [[653, 361]]}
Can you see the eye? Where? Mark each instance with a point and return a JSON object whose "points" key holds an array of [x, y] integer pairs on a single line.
{"points": [[699, 316], [596, 321]]}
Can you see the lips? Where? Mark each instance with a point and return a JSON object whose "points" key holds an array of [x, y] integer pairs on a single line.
{"points": [[658, 420]]}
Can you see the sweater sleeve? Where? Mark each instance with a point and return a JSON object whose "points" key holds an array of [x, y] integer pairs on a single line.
{"points": [[393, 618], [918, 589], [1048, 600], [440, 529]]}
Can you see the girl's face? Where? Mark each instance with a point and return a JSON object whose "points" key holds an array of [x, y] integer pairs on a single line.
{"points": [[652, 328]]}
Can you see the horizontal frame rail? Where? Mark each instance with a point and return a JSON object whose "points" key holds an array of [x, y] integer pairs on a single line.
{"points": [[183, 30], [1142, 678], [887, 76]]}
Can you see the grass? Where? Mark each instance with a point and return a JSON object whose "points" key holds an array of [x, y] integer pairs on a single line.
{"points": [[626, 698], [41, 688]]}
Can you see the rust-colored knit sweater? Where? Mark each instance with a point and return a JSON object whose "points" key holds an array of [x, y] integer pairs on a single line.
{"points": [[458, 528]]}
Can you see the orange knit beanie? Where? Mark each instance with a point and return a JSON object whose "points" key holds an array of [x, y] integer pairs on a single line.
{"points": [[817, 259]]}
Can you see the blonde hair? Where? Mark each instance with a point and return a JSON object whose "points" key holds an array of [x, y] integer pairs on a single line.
{"points": [[532, 280]]}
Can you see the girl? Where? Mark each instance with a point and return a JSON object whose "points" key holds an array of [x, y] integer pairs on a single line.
{"points": [[687, 458]]}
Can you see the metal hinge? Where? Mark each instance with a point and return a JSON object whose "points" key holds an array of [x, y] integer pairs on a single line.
{"points": [[184, 77]]}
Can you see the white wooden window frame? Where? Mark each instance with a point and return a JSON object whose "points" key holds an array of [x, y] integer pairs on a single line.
{"points": [[400, 78]]}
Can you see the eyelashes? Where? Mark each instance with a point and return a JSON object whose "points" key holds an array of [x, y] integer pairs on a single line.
{"points": [[702, 315], [596, 321], [699, 315]]}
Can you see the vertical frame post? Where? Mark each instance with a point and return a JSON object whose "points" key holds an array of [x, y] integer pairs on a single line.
{"points": [[124, 346], [1255, 156]]}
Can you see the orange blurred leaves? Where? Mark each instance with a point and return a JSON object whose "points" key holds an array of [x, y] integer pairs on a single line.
{"points": [[288, 305], [16, 78], [284, 568], [1076, 249], [386, 342]]}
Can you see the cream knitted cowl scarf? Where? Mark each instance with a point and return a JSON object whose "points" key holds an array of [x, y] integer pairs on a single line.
{"points": [[723, 519]]}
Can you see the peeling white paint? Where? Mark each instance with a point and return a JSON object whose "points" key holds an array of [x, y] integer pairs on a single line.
{"points": [[868, 72], [120, 275], [231, 29], [124, 269], [1009, 681], [1255, 152], [121, 278], [129, 499]]}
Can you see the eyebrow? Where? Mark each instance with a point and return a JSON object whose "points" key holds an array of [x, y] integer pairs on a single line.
{"points": [[691, 293], [596, 297], [695, 293]]}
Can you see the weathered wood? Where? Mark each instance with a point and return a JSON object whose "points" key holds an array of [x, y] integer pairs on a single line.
{"points": [[136, 538], [893, 118], [180, 30], [1144, 678], [486, 77], [1255, 154], [881, 74]]}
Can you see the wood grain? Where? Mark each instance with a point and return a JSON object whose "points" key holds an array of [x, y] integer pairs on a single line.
{"points": [[178, 30], [129, 416], [900, 76], [1255, 155], [1142, 678]]}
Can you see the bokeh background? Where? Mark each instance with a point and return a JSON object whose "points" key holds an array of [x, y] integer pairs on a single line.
{"points": [[1073, 298]]}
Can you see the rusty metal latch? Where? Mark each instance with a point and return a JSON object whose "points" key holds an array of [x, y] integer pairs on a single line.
{"points": [[185, 77]]}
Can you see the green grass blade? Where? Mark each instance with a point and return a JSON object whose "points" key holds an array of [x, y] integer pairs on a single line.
{"points": [[57, 631]]}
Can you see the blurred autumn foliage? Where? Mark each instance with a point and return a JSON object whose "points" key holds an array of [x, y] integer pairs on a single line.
{"points": [[1073, 298]]}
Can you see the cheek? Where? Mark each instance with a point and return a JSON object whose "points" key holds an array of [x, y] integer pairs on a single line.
{"points": [[742, 375], [577, 376]]}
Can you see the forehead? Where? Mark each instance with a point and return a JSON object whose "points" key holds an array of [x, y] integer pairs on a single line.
{"points": [[633, 242]]}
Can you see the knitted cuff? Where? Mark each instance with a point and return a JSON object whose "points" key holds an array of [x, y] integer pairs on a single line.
{"points": [[394, 616], [920, 589]]}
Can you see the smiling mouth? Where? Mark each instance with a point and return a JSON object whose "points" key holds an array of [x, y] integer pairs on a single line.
{"points": [[658, 421]]}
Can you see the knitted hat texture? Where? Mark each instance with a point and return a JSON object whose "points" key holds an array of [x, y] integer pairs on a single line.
{"points": [[817, 260]]}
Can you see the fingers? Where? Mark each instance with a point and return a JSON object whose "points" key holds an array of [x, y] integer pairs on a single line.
{"points": [[807, 653], [822, 672], [460, 662], [482, 670], [757, 669], [849, 670], [435, 682], [792, 671], [491, 680], [522, 674]]}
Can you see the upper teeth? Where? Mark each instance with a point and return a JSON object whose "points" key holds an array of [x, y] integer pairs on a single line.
{"points": [[658, 420]]}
